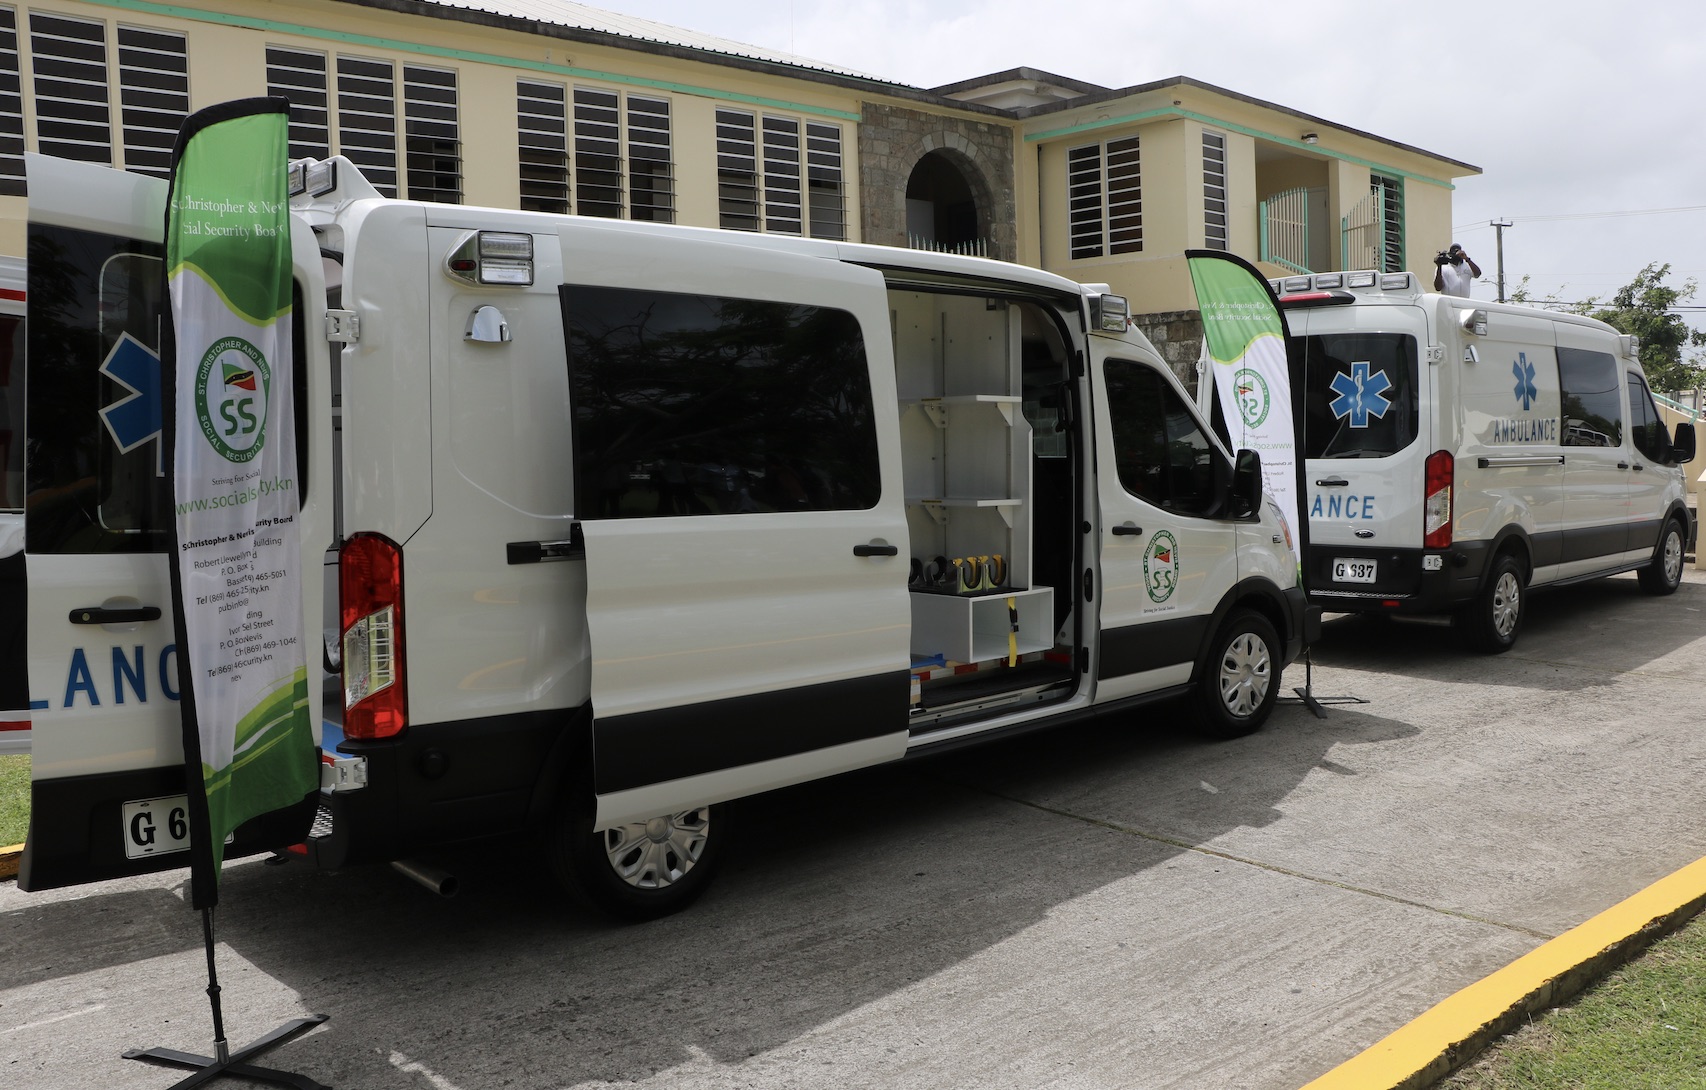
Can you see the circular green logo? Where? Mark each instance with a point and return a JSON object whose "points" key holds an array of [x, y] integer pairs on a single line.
{"points": [[1161, 566], [231, 387], [1252, 391]]}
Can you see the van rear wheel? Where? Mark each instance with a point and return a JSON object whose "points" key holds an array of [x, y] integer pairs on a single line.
{"points": [[1239, 681], [639, 870], [1664, 574], [1491, 621]]}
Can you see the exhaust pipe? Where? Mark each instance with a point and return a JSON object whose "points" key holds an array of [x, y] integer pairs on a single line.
{"points": [[440, 882]]}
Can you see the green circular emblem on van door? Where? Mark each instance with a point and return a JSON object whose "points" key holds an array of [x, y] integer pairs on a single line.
{"points": [[1161, 566], [231, 387], [1252, 396]]}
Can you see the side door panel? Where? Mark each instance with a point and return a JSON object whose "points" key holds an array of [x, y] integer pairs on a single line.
{"points": [[736, 443], [1163, 568], [1597, 454]]}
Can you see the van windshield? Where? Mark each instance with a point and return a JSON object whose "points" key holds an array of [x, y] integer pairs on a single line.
{"points": [[1361, 399]]}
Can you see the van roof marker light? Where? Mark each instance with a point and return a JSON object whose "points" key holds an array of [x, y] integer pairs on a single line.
{"points": [[1329, 280], [1474, 321], [1359, 279], [487, 258], [1109, 313], [1395, 281]]}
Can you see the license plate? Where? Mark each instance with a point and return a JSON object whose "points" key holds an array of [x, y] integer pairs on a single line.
{"points": [[156, 826], [1353, 571]]}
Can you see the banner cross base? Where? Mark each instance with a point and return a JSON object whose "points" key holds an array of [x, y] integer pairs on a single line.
{"points": [[208, 1068]]}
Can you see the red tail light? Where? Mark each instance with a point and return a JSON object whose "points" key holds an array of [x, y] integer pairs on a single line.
{"points": [[1436, 509], [370, 607]]}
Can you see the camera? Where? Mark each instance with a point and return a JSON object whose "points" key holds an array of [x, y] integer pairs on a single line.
{"points": [[1442, 258]]}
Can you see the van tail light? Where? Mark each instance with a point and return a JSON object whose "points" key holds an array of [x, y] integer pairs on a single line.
{"points": [[370, 608], [1436, 509]]}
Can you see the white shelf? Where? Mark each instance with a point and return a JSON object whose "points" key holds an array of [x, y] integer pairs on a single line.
{"points": [[974, 628]]}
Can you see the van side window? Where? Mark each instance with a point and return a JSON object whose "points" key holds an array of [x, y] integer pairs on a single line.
{"points": [[1162, 456], [1646, 429], [704, 405], [1593, 403], [1360, 396]]}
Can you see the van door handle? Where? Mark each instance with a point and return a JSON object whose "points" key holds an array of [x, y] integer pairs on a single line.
{"points": [[876, 550], [1638, 467], [1128, 530], [1332, 482], [100, 615], [1622, 465]]}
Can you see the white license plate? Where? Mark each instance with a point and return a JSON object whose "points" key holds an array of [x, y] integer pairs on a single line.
{"points": [[1353, 571], [156, 826]]}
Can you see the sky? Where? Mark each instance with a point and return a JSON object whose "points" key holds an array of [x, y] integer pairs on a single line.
{"points": [[1588, 121]]}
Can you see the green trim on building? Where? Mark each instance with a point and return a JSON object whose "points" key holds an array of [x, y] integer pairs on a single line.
{"points": [[370, 42], [1176, 112]]}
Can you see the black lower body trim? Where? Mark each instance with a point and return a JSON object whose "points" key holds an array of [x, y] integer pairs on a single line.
{"points": [[77, 834], [1135, 648], [673, 743]]}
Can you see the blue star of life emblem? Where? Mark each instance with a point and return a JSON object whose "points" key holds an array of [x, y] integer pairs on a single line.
{"points": [[1361, 395], [1524, 372]]}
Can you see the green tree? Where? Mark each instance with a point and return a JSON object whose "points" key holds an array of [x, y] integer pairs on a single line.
{"points": [[1645, 307]]}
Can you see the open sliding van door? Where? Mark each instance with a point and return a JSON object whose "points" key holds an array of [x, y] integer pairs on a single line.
{"points": [[107, 790], [738, 489]]}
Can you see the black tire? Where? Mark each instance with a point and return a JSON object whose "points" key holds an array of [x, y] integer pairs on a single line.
{"points": [[1239, 681], [1664, 574], [1491, 621], [641, 870]]}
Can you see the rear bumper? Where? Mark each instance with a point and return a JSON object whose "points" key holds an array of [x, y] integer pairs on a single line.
{"points": [[1405, 583]]}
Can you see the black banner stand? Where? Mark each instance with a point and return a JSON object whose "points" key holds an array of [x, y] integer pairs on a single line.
{"points": [[1306, 695], [204, 872], [208, 1068]]}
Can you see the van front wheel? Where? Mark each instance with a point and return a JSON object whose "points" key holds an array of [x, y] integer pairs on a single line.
{"points": [[639, 870], [1664, 574], [1492, 620], [1239, 681]]}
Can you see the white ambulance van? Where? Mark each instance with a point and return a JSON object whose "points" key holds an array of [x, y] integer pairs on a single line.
{"points": [[630, 521], [14, 686], [1460, 453]]}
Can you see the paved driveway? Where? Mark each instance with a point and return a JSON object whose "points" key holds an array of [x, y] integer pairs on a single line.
{"points": [[1112, 905]]}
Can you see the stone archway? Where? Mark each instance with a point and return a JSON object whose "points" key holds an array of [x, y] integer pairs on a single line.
{"points": [[942, 209], [960, 168]]}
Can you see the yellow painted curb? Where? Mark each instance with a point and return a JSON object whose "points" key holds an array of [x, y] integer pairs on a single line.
{"points": [[1451, 1033], [9, 860]]}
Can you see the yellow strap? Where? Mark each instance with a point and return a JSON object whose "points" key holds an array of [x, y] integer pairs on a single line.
{"points": [[1012, 631]]}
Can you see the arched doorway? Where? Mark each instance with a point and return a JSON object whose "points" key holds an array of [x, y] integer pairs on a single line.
{"points": [[941, 210]]}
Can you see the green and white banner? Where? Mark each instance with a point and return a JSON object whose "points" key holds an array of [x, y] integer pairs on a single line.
{"points": [[235, 488], [1245, 335]]}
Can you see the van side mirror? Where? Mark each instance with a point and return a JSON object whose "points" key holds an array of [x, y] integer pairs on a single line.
{"points": [[1247, 484], [1682, 447]]}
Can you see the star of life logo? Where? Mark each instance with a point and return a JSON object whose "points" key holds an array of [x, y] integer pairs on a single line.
{"points": [[1526, 393], [1360, 395]]}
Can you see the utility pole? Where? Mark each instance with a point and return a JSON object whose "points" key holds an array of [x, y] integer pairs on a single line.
{"points": [[1499, 236]]}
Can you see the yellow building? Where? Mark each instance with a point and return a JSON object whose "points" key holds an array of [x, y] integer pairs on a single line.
{"points": [[556, 106]]}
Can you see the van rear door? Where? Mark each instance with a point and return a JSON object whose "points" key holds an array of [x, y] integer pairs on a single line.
{"points": [[1366, 417], [107, 770], [738, 488]]}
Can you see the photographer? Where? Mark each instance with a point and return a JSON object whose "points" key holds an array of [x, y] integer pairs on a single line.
{"points": [[1450, 275]]}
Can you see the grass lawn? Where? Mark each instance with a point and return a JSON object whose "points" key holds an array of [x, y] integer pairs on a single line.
{"points": [[14, 798], [1642, 1028]]}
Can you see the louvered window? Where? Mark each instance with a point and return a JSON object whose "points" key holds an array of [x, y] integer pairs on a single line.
{"points": [[1390, 193], [544, 148], [11, 108], [432, 135], [651, 170], [367, 120], [828, 202], [154, 96], [1104, 196], [737, 171], [69, 57], [301, 77], [1214, 190], [598, 153], [782, 176]]}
